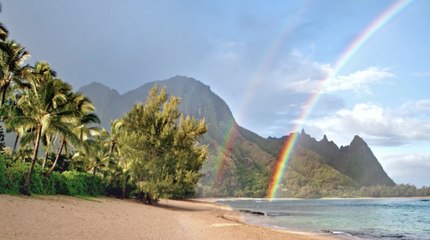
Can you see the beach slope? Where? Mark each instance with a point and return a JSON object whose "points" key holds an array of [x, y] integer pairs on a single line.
{"points": [[62, 217]]}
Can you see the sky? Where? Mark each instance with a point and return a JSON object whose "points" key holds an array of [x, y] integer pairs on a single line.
{"points": [[264, 58]]}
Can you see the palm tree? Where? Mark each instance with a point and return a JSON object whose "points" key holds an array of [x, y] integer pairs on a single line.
{"points": [[44, 106], [96, 159], [13, 111], [121, 153], [77, 133], [12, 56], [85, 129], [116, 128]]}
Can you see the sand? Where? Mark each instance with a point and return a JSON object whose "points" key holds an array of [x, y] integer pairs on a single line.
{"points": [[63, 217]]}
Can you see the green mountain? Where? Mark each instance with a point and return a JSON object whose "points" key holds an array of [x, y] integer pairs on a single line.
{"points": [[241, 162], [356, 160]]}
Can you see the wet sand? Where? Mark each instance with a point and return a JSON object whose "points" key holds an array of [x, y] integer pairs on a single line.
{"points": [[63, 217]]}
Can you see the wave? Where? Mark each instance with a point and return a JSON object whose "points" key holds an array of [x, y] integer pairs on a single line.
{"points": [[264, 213], [371, 234]]}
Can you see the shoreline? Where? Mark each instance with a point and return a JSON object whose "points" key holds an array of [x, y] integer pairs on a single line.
{"points": [[64, 217], [238, 217], [345, 232], [216, 202]]}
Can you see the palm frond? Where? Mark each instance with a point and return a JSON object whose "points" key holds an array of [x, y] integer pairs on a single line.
{"points": [[90, 118], [27, 138], [4, 33]]}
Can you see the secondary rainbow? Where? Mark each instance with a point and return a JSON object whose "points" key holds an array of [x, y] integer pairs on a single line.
{"points": [[223, 154], [250, 92], [285, 154]]}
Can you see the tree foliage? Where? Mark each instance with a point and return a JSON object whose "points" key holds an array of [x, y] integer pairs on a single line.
{"points": [[162, 146]]}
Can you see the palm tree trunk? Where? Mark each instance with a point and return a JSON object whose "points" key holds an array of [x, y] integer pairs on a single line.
{"points": [[6, 81], [94, 178], [63, 142], [26, 187], [15, 144], [45, 158], [124, 180], [112, 147], [48, 145], [3, 96]]}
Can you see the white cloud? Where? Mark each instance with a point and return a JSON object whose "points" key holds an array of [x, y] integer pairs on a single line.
{"points": [[417, 108], [377, 125], [358, 81], [298, 73]]}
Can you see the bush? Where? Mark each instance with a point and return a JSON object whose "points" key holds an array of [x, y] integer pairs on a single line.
{"points": [[68, 183], [116, 187], [80, 183], [57, 184], [15, 176]]}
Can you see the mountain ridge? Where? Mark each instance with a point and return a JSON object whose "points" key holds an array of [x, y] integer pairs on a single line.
{"points": [[243, 168]]}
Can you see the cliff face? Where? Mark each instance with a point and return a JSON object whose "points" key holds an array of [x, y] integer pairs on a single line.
{"points": [[356, 161], [240, 162]]}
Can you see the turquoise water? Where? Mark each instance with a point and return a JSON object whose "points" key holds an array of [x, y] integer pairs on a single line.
{"points": [[388, 218]]}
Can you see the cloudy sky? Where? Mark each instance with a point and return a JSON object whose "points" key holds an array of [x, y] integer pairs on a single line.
{"points": [[264, 58]]}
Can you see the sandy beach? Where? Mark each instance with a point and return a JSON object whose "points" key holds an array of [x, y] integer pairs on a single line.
{"points": [[63, 217]]}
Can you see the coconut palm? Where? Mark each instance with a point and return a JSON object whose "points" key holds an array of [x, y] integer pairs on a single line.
{"points": [[66, 136], [45, 109], [80, 131], [15, 118], [86, 127], [12, 56], [116, 127], [13, 111], [96, 159]]}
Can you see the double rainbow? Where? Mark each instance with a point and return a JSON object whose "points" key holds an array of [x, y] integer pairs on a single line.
{"points": [[347, 54], [220, 162]]}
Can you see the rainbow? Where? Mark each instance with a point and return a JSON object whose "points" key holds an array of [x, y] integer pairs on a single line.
{"points": [[223, 154], [285, 154], [251, 91]]}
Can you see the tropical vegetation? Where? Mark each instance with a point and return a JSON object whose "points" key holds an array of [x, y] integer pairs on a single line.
{"points": [[59, 147]]}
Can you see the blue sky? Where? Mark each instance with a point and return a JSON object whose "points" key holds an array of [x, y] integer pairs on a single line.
{"points": [[264, 58]]}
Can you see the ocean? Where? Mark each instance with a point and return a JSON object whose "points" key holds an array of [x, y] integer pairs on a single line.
{"points": [[382, 218]]}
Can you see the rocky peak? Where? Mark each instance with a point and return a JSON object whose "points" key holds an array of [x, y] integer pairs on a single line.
{"points": [[358, 142], [324, 138]]}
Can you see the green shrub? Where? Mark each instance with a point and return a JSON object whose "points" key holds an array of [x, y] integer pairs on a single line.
{"points": [[81, 183], [38, 182], [15, 176], [57, 184], [68, 183]]}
